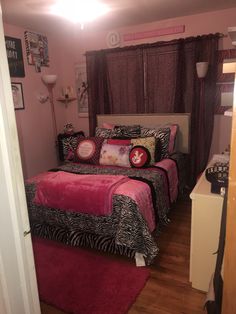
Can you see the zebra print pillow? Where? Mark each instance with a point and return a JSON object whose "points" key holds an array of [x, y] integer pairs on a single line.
{"points": [[126, 131], [67, 145], [163, 136], [102, 132]]}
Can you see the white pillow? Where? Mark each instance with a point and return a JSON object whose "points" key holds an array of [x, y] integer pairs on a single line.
{"points": [[115, 155]]}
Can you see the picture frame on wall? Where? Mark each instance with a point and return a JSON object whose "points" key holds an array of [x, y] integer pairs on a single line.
{"points": [[15, 56], [36, 50], [17, 94], [82, 89]]}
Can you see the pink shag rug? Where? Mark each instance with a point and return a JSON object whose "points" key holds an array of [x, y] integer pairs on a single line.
{"points": [[82, 282]]}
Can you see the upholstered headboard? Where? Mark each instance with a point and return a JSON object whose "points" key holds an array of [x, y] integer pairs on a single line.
{"points": [[153, 120]]}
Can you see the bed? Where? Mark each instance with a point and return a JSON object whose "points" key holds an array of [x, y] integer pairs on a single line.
{"points": [[65, 205]]}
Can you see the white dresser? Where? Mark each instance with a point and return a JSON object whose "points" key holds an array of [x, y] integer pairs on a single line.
{"points": [[205, 228]]}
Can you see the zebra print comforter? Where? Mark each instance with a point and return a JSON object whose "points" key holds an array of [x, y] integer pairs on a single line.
{"points": [[124, 232]]}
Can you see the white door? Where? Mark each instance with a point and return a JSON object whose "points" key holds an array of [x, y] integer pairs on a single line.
{"points": [[18, 286]]}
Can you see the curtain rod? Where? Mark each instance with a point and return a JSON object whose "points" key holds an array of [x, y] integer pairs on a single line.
{"points": [[221, 35]]}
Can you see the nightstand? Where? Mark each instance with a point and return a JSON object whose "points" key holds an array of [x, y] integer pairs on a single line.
{"points": [[205, 229]]}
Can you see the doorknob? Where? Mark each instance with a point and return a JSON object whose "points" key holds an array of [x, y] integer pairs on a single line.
{"points": [[26, 232]]}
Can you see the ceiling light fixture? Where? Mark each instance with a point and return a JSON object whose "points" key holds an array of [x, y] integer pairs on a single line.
{"points": [[79, 11]]}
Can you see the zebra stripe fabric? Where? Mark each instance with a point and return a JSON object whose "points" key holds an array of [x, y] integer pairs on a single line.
{"points": [[119, 131], [163, 136], [124, 232], [126, 131]]}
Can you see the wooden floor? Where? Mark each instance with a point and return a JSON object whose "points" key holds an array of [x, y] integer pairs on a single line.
{"points": [[168, 290]]}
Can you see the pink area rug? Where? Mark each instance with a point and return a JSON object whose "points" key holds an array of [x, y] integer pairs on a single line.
{"points": [[82, 282]]}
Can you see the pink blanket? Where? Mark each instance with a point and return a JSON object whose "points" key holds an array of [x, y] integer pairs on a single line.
{"points": [[172, 173], [140, 192], [75, 192]]}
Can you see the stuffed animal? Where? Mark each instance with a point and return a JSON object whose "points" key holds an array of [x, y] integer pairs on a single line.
{"points": [[68, 129]]}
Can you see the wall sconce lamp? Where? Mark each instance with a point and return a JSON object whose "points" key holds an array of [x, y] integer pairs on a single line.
{"points": [[50, 80], [232, 34], [202, 68]]}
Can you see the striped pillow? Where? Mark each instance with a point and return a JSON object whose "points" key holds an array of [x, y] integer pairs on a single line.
{"points": [[102, 132], [163, 136], [126, 131]]}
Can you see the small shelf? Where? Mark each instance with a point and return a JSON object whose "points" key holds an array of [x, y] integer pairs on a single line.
{"points": [[66, 100]]}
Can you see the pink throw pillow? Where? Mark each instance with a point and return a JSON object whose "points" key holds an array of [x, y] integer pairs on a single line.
{"points": [[109, 126], [173, 134], [118, 142]]}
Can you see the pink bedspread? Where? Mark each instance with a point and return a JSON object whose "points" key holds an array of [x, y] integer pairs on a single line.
{"points": [[136, 190], [78, 193], [140, 192], [170, 167]]}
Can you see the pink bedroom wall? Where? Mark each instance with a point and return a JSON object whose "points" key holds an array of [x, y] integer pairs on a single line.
{"points": [[65, 51], [205, 23], [34, 123]]}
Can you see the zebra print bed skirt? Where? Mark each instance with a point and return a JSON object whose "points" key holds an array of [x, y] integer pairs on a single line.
{"points": [[125, 232]]}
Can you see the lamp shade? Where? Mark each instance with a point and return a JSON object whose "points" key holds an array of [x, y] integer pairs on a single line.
{"points": [[232, 35], [49, 78], [202, 68]]}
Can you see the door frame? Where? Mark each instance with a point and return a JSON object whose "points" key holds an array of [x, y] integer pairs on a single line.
{"points": [[18, 285], [229, 288]]}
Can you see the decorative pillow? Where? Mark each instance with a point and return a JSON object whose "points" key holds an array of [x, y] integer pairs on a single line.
{"points": [[139, 156], [108, 126], [173, 135], [115, 155], [149, 143], [118, 141], [102, 132], [88, 150], [163, 136], [67, 144], [126, 131]]}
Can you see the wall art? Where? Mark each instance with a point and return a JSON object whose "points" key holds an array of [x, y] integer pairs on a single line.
{"points": [[15, 56], [17, 94], [36, 50], [82, 89]]}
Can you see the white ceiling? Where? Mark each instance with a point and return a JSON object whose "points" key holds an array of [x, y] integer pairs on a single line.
{"points": [[33, 14]]}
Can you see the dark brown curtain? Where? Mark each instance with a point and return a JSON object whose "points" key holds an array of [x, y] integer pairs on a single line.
{"points": [[125, 78], [200, 100], [164, 68], [159, 78], [178, 89], [115, 80], [98, 92]]}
